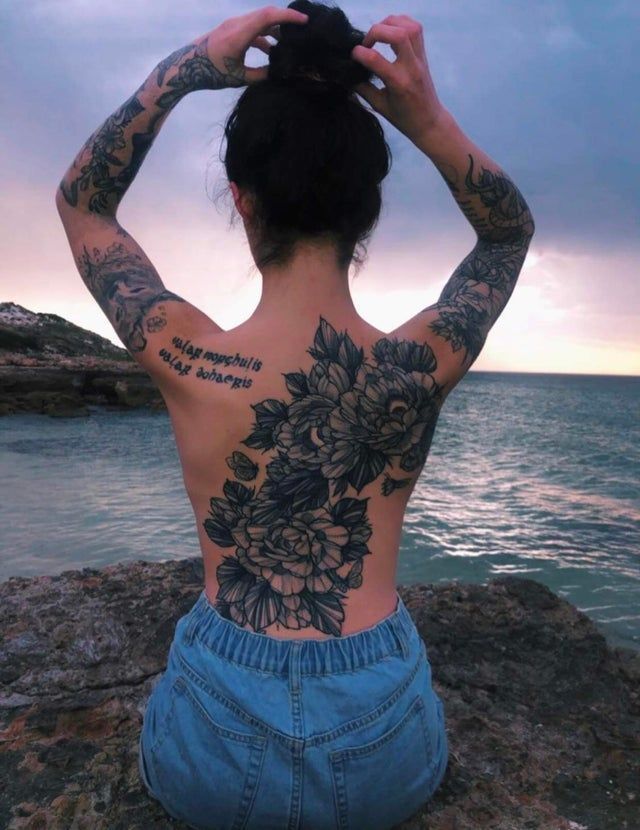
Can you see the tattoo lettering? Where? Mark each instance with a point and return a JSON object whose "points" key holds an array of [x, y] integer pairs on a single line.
{"points": [[300, 539], [217, 377], [192, 352], [234, 360], [186, 347], [175, 362], [125, 287]]}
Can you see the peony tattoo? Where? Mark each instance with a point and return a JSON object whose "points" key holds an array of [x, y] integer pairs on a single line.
{"points": [[300, 540]]}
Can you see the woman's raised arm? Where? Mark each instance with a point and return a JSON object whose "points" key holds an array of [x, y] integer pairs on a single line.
{"points": [[475, 295]]}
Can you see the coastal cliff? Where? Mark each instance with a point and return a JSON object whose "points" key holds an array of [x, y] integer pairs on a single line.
{"points": [[51, 366], [543, 717]]}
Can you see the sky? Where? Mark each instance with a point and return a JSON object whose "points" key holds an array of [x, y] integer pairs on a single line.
{"points": [[547, 89]]}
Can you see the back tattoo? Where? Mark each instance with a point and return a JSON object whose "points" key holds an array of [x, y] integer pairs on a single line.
{"points": [[299, 541]]}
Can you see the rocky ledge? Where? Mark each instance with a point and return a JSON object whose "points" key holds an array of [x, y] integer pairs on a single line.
{"points": [[51, 366], [543, 717]]}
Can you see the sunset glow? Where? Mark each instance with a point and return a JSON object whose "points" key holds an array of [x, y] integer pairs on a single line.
{"points": [[575, 307]]}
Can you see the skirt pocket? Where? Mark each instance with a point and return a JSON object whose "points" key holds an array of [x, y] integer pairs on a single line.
{"points": [[385, 781], [207, 772]]}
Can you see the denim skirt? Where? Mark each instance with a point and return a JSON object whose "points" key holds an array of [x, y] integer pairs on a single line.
{"points": [[246, 730]]}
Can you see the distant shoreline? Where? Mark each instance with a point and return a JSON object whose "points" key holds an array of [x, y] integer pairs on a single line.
{"points": [[49, 366]]}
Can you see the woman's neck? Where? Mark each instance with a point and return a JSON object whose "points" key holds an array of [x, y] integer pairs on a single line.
{"points": [[310, 283]]}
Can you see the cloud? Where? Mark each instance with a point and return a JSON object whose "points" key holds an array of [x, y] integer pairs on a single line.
{"points": [[153, 14], [546, 89]]}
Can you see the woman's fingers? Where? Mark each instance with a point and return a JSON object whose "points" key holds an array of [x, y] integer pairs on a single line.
{"points": [[397, 37], [413, 27], [269, 16], [243, 30], [374, 61], [276, 15], [409, 99]]}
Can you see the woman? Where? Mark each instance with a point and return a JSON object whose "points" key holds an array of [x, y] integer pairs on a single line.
{"points": [[298, 692]]}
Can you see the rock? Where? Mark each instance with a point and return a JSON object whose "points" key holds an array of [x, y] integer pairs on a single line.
{"points": [[70, 390], [51, 366], [543, 717], [30, 332]]}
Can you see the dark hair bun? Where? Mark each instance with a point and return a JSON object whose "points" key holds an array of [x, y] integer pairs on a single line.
{"points": [[318, 50]]}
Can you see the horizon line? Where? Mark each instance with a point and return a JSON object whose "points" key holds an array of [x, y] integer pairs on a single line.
{"points": [[120, 346], [565, 374]]}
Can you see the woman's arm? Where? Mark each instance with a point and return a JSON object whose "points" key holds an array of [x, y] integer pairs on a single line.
{"points": [[480, 287], [494, 206], [109, 160], [492, 203], [115, 269]]}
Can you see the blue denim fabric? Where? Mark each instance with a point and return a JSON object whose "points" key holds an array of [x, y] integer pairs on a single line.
{"points": [[245, 730]]}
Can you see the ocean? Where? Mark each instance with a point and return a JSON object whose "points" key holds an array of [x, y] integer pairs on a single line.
{"points": [[535, 475]]}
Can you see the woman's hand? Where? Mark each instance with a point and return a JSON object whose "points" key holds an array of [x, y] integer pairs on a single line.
{"points": [[227, 44], [408, 100]]}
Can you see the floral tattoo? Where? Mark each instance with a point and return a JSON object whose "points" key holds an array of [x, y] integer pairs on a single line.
{"points": [[299, 541]]}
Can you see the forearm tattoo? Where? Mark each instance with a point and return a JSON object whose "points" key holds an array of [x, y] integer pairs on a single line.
{"points": [[492, 204], [298, 541], [480, 287], [112, 156]]}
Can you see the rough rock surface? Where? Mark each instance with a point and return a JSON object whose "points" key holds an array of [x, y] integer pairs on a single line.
{"points": [[543, 717], [51, 366]]}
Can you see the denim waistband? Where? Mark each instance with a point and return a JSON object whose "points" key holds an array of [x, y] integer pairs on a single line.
{"points": [[229, 640]]}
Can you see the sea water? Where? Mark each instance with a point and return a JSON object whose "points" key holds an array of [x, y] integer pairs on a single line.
{"points": [[529, 474]]}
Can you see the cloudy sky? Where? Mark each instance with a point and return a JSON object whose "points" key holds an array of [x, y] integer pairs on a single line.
{"points": [[547, 89]]}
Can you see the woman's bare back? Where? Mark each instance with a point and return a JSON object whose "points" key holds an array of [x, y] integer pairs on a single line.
{"points": [[300, 439], [299, 453]]}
